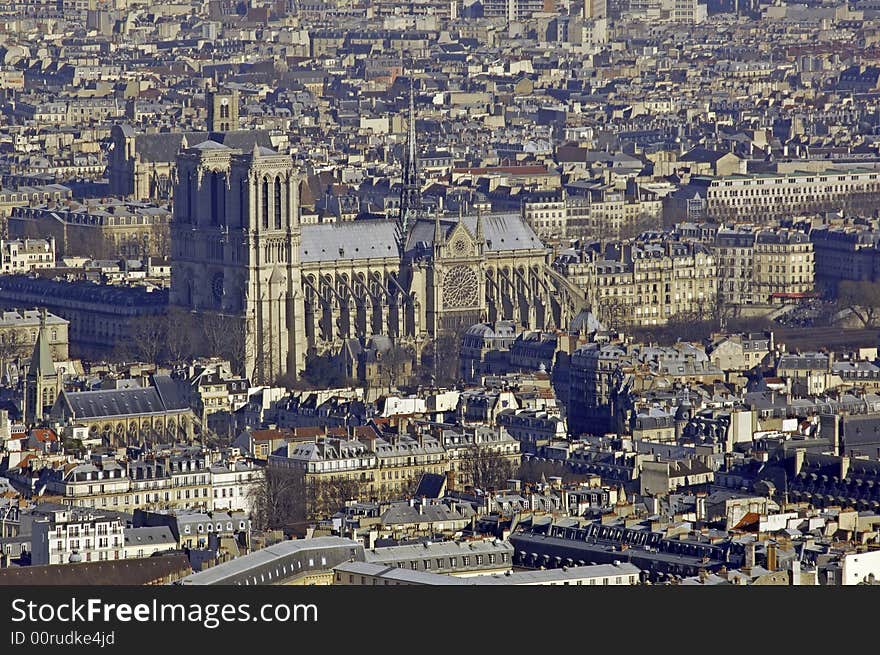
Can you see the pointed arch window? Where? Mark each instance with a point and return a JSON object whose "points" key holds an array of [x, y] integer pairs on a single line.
{"points": [[190, 192], [242, 203], [216, 189], [277, 202], [264, 201]]}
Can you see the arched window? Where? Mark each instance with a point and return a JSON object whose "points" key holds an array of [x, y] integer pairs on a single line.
{"points": [[215, 189], [190, 192], [242, 203], [277, 203], [264, 199]]}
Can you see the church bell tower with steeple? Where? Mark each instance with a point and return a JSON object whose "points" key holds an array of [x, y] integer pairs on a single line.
{"points": [[42, 383]]}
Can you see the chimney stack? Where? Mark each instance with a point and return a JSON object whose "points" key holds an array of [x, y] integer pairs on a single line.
{"points": [[750, 555]]}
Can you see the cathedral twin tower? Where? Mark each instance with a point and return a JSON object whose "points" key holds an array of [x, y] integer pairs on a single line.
{"points": [[236, 249]]}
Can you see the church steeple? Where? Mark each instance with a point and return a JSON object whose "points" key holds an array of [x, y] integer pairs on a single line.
{"points": [[410, 189], [41, 382]]}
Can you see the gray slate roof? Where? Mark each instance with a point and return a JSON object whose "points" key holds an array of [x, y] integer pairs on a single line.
{"points": [[148, 536], [501, 232], [371, 239], [164, 146], [163, 397]]}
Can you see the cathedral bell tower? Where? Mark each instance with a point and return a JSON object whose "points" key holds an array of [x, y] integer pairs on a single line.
{"points": [[236, 253]]}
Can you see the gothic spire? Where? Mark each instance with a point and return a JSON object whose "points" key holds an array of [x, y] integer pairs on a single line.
{"points": [[410, 189], [412, 159], [42, 364], [438, 230]]}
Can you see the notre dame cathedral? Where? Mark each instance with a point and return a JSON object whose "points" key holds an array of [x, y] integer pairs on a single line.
{"points": [[239, 250]]}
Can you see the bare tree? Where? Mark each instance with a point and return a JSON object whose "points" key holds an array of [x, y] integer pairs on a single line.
{"points": [[213, 331], [326, 497], [641, 223], [158, 241], [862, 298], [90, 242], [485, 467], [13, 345], [287, 497], [180, 334], [279, 499], [148, 336], [226, 336], [394, 364], [445, 351]]}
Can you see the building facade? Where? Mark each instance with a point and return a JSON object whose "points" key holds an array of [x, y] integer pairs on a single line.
{"points": [[22, 256], [776, 195], [648, 283], [70, 535]]}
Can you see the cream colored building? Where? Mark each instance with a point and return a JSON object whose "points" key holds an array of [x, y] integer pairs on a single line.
{"points": [[784, 266], [25, 255], [557, 215], [19, 329], [783, 194], [647, 284], [385, 468]]}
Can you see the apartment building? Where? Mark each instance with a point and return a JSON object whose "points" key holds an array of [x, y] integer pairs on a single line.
{"points": [[380, 468], [762, 266], [557, 215], [735, 256], [23, 195], [618, 216], [383, 467], [19, 330], [548, 213], [650, 283], [100, 317], [25, 255], [235, 485], [108, 229], [178, 481], [773, 195], [67, 535], [845, 253], [784, 266], [515, 9]]}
